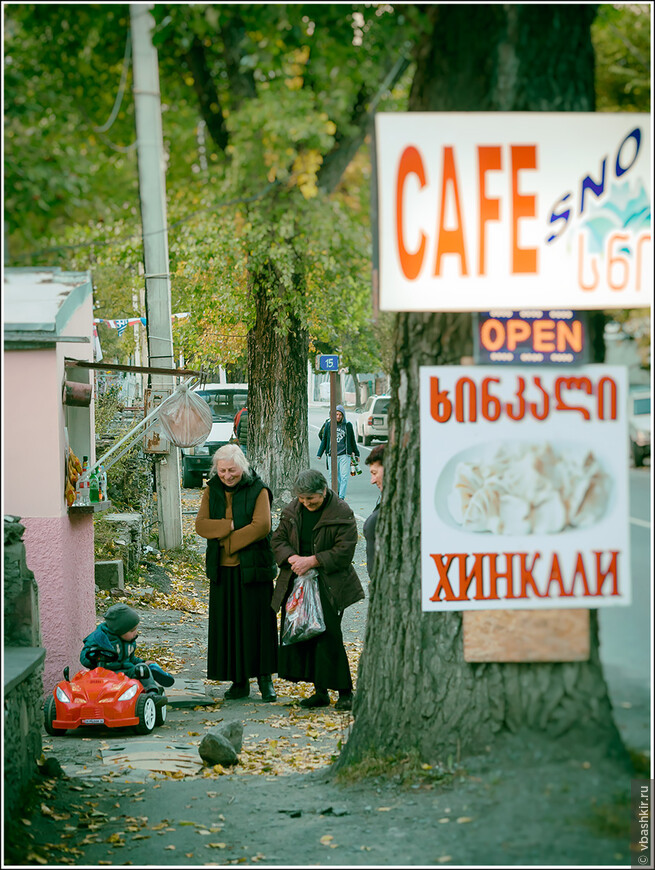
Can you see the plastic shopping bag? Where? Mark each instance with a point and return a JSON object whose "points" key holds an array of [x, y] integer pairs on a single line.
{"points": [[186, 418], [304, 614]]}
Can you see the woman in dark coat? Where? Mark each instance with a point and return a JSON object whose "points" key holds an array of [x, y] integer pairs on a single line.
{"points": [[318, 530], [235, 517]]}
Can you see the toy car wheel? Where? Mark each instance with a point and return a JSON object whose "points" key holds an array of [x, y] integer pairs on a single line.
{"points": [[147, 713], [161, 707], [49, 716]]}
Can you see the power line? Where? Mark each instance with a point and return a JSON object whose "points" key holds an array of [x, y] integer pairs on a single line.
{"points": [[121, 88]]}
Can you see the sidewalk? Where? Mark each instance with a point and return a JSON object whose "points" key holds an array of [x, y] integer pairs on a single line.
{"points": [[149, 801]]}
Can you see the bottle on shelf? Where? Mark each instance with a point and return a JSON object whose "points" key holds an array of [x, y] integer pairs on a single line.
{"points": [[103, 483], [85, 464], [82, 491], [94, 487]]}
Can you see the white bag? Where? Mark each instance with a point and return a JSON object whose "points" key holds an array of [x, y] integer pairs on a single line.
{"points": [[186, 418]]}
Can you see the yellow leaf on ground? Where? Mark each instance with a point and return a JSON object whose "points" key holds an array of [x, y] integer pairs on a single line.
{"points": [[216, 845], [462, 819], [384, 809], [327, 839]]}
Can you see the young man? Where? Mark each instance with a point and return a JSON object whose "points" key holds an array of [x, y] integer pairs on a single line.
{"points": [[346, 449]]}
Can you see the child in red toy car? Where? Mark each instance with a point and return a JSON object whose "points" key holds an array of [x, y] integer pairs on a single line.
{"points": [[113, 646]]}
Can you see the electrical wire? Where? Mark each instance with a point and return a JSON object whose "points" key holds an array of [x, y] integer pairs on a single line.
{"points": [[121, 88]]}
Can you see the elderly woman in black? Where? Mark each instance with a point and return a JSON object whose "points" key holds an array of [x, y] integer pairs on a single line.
{"points": [[318, 530], [235, 517]]}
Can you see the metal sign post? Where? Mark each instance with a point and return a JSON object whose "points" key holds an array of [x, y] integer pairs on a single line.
{"points": [[330, 363], [333, 431]]}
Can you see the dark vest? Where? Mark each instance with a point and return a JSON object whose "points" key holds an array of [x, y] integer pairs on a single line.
{"points": [[257, 561]]}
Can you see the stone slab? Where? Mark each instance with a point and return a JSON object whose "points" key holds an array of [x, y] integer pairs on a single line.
{"points": [[155, 754], [526, 635], [188, 693]]}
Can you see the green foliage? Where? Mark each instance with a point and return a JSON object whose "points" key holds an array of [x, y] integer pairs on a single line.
{"points": [[287, 86], [621, 37], [129, 479]]}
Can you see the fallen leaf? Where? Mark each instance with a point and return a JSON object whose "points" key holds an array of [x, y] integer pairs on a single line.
{"points": [[462, 819], [216, 845], [169, 847], [444, 858], [326, 839], [384, 809]]}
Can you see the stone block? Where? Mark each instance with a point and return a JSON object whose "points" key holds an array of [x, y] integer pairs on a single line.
{"points": [[128, 536], [215, 748], [109, 574]]}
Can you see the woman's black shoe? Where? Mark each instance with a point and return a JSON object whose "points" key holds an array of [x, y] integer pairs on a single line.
{"points": [[265, 684], [345, 702], [318, 699], [237, 690]]}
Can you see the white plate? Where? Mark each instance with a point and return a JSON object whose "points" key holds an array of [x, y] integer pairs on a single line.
{"points": [[484, 453]]}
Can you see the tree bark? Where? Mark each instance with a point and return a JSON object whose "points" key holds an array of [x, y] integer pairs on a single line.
{"points": [[205, 89], [415, 691], [277, 392]]}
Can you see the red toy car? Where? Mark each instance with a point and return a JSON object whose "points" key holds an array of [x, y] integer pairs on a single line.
{"points": [[102, 697]]}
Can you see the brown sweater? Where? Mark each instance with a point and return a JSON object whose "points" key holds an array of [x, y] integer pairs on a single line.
{"points": [[233, 540]]}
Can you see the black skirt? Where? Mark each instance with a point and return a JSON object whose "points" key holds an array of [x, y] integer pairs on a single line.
{"points": [[321, 660], [242, 641]]}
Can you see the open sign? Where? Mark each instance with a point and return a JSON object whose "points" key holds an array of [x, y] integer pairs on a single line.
{"points": [[531, 337]]}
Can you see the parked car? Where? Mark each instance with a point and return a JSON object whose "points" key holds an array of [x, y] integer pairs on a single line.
{"points": [[224, 401], [102, 697], [373, 421], [639, 424]]}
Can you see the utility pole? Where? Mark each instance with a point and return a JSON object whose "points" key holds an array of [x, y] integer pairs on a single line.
{"points": [[152, 191]]}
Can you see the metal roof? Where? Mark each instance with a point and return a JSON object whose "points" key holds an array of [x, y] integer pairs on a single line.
{"points": [[40, 302]]}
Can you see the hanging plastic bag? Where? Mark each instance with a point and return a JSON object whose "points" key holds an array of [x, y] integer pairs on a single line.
{"points": [[304, 614], [186, 418]]}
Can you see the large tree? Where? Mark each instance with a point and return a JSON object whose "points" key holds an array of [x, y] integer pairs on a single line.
{"points": [[415, 690], [286, 95]]}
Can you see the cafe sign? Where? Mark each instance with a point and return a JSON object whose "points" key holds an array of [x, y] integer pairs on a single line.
{"points": [[513, 210], [524, 487]]}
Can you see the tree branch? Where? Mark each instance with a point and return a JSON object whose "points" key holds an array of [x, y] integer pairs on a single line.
{"points": [[207, 94], [336, 162]]}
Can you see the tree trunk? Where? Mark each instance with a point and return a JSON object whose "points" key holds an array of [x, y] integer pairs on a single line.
{"points": [[277, 393], [415, 691]]}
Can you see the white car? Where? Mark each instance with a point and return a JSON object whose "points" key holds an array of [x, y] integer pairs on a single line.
{"points": [[373, 421], [639, 424], [224, 401]]}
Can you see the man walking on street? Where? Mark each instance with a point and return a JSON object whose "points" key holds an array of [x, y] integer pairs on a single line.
{"points": [[346, 449]]}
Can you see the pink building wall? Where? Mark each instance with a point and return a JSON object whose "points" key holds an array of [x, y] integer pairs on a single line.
{"points": [[59, 550], [58, 543]]}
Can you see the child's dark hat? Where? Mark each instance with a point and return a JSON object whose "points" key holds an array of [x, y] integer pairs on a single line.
{"points": [[121, 618]]}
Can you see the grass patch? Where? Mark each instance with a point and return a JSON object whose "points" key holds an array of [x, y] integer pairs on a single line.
{"points": [[640, 763], [611, 818], [404, 769], [187, 555]]}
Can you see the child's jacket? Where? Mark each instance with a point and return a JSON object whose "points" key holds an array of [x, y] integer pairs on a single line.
{"points": [[105, 649]]}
